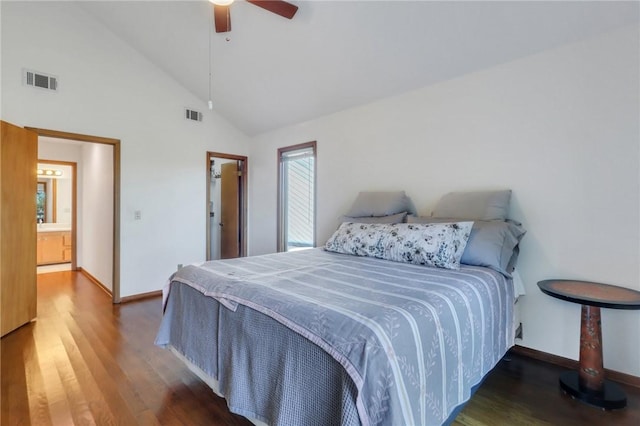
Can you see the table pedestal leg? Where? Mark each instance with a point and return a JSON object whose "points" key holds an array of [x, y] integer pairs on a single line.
{"points": [[591, 372], [588, 384]]}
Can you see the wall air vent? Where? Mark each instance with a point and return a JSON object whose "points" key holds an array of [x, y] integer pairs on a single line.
{"points": [[191, 114], [39, 80]]}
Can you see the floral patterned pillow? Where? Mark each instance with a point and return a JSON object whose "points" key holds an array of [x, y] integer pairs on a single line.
{"points": [[360, 239], [435, 244], [432, 244]]}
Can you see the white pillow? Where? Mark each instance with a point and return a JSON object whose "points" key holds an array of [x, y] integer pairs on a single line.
{"points": [[435, 244]]}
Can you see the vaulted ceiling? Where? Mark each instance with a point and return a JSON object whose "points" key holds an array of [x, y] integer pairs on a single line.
{"points": [[269, 72]]}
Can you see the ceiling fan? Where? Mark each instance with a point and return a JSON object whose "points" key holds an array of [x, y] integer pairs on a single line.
{"points": [[222, 15]]}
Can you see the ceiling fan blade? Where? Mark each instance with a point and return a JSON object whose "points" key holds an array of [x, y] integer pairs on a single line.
{"points": [[222, 18], [278, 7]]}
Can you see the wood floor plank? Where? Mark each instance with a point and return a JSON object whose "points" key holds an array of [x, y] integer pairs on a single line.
{"points": [[523, 391], [80, 410], [148, 418], [14, 403], [105, 350], [88, 362], [140, 374], [36, 393], [144, 376], [102, 376], [49, 347], [90, 388]]}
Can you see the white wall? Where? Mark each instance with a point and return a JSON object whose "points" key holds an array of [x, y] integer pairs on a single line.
{"points": [[560, 128], [108, 89], [97, 212], [64, 196]]}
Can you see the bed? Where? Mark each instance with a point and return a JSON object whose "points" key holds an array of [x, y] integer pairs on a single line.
{"points": [[323, 337]]}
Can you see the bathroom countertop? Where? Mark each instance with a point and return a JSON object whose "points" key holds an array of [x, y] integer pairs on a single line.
{"points": [[60, 228]]}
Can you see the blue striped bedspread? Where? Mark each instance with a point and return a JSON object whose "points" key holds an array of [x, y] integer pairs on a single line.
{"points": [[414, 339]]}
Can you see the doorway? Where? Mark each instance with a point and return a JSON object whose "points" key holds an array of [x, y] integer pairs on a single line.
{"points": [[112, 149], [226, 205], [56, 216]]}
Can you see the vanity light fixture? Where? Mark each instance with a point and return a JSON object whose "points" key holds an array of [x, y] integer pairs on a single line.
{"points": [[49, 172]]}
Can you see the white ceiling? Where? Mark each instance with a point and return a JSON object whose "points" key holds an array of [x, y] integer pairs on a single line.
{"points": [[334, 55]]}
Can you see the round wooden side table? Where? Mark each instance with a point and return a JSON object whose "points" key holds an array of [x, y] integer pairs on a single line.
{"points": [[589, 384]]}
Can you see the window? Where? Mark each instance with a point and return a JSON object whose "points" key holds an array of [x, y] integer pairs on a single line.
{"points": [[41, 202], [297, 197]]}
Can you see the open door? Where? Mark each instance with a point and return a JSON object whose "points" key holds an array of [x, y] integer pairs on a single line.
{"points": [[230, 211], [18, 159], [226, 205]]}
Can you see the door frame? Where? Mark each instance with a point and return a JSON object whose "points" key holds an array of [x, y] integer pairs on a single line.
{"points": [[244, 191], [115, 143], [74, 205]]}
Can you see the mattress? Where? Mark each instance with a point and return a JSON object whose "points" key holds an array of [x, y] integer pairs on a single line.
{"points": [[313, 337]]}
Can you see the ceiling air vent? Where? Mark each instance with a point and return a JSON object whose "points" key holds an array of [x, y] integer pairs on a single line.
{"points": [[192, 114], [40, 80]]}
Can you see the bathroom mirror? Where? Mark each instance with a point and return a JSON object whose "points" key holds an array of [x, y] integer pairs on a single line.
{"points": [[54, 193]]}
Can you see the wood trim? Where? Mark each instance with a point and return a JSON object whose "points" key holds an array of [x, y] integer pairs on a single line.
{"points": [[571, 364], [73, 136], [280, 219], [116, 223], [244, 199], [116, 193], [94, 280], [244, 220], [57, 162], [225, 156], [141, 296], [207, 209], [46, 196], [54, 200]]}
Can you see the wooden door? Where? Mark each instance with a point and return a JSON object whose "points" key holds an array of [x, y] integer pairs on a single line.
{"points": [[18, 163], [229, 211]]}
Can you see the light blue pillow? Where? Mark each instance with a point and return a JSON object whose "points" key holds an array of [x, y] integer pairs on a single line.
{"points": [[478, 205], [392, 218], [493, 244], [380, 203]]}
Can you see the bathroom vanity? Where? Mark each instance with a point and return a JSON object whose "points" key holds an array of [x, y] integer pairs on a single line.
{"points": [[54, 245]]}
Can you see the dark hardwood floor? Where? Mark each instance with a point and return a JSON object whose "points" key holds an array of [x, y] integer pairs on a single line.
{"points": [[86, 361]]}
